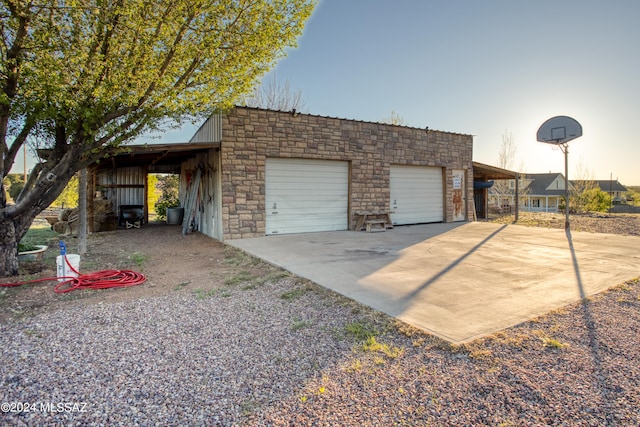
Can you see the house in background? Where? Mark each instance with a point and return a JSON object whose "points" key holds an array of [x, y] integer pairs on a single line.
{"points": [[612, 188], [540, 192]]}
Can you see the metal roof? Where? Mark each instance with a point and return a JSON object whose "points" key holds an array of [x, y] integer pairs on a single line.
{"points": [[157, 157], [482, 172], [606, 185]]}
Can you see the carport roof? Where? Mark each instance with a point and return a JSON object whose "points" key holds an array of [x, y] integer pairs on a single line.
{"points": [[157, 154], [482, 172], [157, 157]]}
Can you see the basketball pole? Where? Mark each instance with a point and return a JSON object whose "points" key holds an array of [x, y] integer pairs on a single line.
{"points": [[559, 131], [565, 149]]}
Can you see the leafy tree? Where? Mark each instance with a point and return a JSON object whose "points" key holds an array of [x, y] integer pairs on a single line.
{"points": [[69, 196], [80, 78], [582, 189], [596, 200], [14, 183], [633, 195], [154, 193], [168, 185]]}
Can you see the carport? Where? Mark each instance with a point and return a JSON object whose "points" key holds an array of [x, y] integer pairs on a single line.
{"points": [[122, 177], [483, 176]]}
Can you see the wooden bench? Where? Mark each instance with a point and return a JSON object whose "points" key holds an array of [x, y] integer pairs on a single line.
{"points": [[370, 222], [367, 219]]}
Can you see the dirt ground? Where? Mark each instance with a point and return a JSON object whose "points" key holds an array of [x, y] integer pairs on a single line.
{"points": [[171, 261]]}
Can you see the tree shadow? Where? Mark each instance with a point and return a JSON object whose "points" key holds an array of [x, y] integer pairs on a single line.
{"points": [[601, 375]]}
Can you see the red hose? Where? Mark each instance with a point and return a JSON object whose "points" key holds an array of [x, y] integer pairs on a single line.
{"points": [[99, 280]]}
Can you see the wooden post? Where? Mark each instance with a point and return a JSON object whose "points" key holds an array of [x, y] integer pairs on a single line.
{"points": [[145, 192], [91, 191], [517, 197], [82, 212]]}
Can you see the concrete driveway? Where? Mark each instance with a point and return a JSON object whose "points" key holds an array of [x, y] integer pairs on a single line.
{"points": [[457, 281]]}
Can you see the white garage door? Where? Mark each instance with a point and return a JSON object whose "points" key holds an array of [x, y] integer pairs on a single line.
{"points": [[416, 194], [306, 195]]}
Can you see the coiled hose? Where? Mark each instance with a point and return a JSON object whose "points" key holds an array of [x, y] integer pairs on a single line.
{"points": [[98, 280]]}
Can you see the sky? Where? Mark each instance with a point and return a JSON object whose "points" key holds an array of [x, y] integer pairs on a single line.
{"points": [[489, 68]]}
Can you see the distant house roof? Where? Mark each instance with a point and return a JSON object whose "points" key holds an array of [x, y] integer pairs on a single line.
{"points": [[608, 185], [540, 183]]}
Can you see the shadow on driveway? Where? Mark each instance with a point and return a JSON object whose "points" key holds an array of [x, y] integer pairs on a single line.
{"points": [[458, 281]]}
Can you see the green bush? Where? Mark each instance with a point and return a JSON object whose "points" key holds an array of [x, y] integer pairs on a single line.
{"points": [[596, 200], [168, 185]]}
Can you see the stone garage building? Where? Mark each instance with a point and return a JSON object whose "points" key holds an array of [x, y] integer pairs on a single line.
{"points": [[273, 172], [252, 172]]}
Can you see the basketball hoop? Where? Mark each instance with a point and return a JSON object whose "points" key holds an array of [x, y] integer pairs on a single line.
{"points": [[559, 131]]}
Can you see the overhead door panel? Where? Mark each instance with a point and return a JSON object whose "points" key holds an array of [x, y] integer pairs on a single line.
{"points": [[416, 194], [306, 195]]}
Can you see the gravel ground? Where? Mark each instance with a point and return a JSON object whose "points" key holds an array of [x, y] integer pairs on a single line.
{"points": [[284, 352]]}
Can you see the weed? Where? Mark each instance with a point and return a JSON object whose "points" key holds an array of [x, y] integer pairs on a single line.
{"points": [[390, 351], [293, 294], [378, 361], [418, 342], [180, 286], [303, 398], [247, 407], [242, 277], [138, 258], [274, 277], [300, 324], [361, 331], [202, 294], [407, 330], [236, 257], [553, 343], [33, 333], [480, 353], [354, 366]]}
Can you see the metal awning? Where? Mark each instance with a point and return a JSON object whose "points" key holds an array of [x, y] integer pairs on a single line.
{"points": [[482, 172], [165, 158], [157, 157]]}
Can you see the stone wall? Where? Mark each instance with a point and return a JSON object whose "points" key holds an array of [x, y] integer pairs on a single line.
{"points": [[250, 135]]}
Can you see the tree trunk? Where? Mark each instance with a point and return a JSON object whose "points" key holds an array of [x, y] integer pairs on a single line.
{"points": [[12, 230], [8, 249]]}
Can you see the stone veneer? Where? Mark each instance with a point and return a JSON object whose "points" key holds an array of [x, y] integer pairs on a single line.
{"points": [[251, 135]]}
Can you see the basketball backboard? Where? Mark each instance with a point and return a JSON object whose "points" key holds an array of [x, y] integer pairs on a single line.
{"points": [[559, 130]]}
